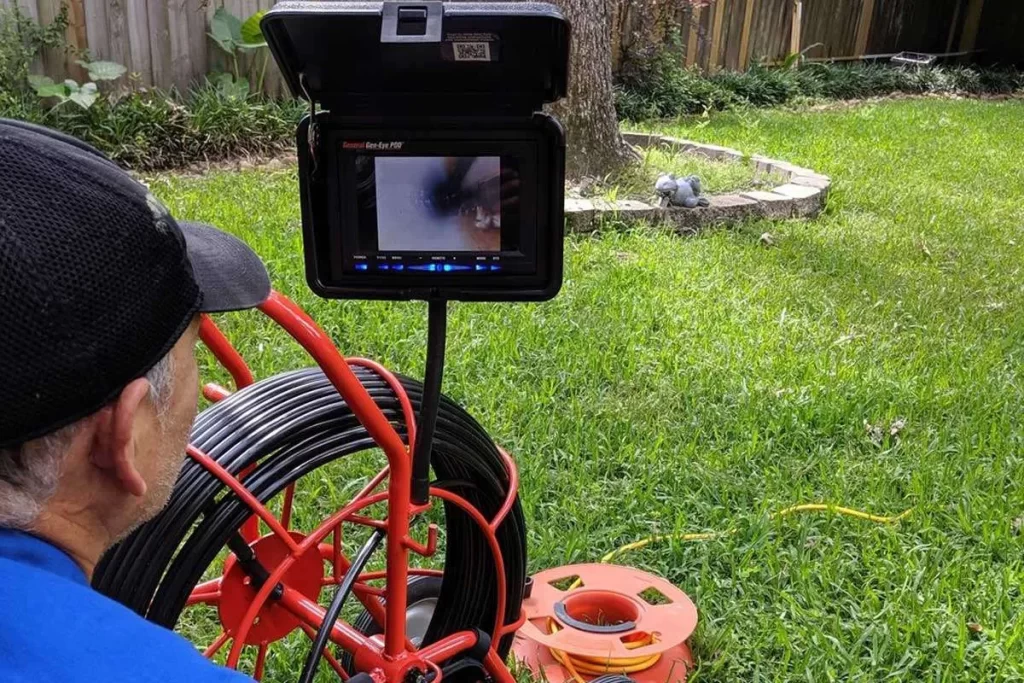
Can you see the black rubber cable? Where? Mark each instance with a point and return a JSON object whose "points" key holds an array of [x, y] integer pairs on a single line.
{"points": [[437, 323], [331, 616], [285, 427]]}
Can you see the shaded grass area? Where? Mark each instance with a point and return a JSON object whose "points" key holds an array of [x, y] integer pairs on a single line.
{"points": [[699, 384], [637, 180]]}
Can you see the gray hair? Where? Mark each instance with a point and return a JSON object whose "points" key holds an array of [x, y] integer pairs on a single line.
{"points": [[30, 473]]}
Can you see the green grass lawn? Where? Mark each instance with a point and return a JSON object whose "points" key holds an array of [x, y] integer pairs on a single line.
{"points": [[699, 384], [637, 181]]}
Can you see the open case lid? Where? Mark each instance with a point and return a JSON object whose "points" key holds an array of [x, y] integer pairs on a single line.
{"points": [[448, 58]]}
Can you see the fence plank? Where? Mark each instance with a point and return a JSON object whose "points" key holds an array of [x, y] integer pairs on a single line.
{"points": [[864, 27], [691, 41], [972, 21], [29, 8], [732, 30], [248, 60], [181, 49], [139, 41], [96, 27], [78, 40], [118, 42], [715, 56], [797, 26], [159, 44], [53, 58], [953, 25], [748, 17], [198, 43], [274, 84]]}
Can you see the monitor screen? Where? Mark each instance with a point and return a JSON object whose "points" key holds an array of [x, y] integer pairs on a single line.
{"points": [[412, 209], [438, 204], [451, 203], [454, 212]]}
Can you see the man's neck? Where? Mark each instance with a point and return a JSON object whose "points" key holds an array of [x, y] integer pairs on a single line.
{"points": [[85, 541]]}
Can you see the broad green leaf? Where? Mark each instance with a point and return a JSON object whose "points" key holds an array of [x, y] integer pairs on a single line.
{"points": [[252, 36], [45, 87], [229, 87], [104, 71], [226, 30], [84, 96]]}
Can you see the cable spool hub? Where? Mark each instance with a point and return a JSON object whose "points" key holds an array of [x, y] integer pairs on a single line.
{"points": [[610, 619]]}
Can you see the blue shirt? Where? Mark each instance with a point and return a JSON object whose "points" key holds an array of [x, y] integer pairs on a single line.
{"points": [[55, 627]]}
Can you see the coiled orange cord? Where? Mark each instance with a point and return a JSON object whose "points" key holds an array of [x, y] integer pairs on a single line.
{"points": [[598, 666]]}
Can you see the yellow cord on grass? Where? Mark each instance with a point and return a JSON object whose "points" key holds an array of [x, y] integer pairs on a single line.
{"points": [[597, 666]]}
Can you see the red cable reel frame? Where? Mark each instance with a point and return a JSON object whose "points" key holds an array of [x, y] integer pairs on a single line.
{"points": [[393, 659]]}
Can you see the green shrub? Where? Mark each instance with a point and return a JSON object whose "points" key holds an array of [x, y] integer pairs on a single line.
{"points": [[760, 86], [656, 85], [21, 41], [149, 130]]}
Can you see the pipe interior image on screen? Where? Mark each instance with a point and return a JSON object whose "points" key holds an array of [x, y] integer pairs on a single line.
{"points": [[438, 204]]}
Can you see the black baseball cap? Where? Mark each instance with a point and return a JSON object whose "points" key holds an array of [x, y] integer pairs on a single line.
{"points": [[97, 280]]}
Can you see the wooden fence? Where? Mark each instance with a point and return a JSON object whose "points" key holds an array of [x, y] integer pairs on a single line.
{"points": [[164, 42], [733, 34]]}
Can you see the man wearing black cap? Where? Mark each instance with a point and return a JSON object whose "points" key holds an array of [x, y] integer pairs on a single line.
{"points": [[100, 289]]}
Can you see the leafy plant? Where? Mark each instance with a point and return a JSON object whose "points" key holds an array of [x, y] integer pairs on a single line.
{"points": [[654, 84], [84, 94], [232, 35], [21, 41], [226, 31], [795, 59], [229, 86], [103, 71]]}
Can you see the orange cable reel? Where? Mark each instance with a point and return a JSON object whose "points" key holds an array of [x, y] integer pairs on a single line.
{"points": [[609, 620]]}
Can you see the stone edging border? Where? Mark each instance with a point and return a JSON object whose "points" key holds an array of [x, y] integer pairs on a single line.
{"points": [[802, 194]]}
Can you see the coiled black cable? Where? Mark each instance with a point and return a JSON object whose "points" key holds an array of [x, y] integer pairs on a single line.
{"points": [[287, 426]]}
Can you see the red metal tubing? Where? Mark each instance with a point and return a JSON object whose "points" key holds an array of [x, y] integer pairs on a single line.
{"points": [[338, 668], [313, 614], [492, 541], [275, 575], [261, 660], [216, 645], [224, 352], [373, 576], [316, 342], [403, 398], [513, 490], [312, 338], [250, 500], [448, 647], [494, 666], [515, 625], [215, 392]]}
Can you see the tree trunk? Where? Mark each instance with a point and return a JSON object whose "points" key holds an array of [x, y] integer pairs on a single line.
{"points": [[595, 145]]}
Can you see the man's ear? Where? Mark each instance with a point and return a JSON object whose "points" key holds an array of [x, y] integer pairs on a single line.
{"points": [[113, 445]]}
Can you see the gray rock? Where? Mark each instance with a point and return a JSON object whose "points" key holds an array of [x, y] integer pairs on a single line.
{"points": [[579, 215], [727, 208], [715, 152], [686, 221], [642, 139], [630, 210], [770, 204], [814, 180], [806, 200], [769, 168]]}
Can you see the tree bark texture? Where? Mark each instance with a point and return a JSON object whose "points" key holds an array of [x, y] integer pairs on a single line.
{"points": [[595, 145]]}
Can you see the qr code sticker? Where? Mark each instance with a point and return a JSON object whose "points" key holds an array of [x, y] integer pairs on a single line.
{"points": [[472, 52]]}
